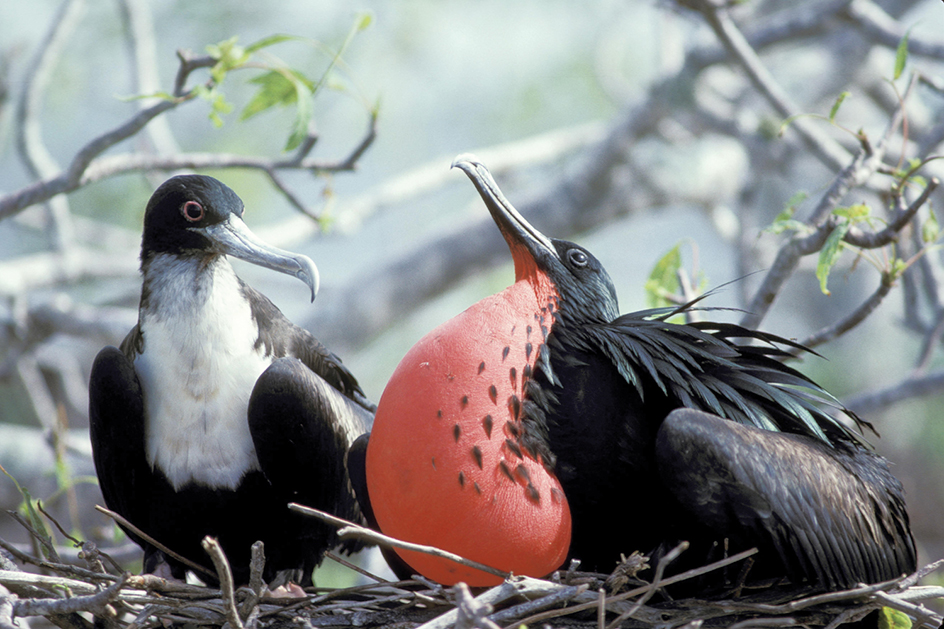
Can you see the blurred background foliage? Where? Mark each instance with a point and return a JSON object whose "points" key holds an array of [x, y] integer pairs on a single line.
{"points": [[533, 88]]}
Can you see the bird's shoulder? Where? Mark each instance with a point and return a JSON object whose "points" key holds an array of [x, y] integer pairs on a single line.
{"points": [[279, 337]]}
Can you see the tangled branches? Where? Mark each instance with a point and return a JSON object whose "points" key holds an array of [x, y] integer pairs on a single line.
{"points": [[71, 594]]}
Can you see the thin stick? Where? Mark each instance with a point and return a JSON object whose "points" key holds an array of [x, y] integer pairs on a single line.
{"points": [[351, 530], [153, 542], [601, 609], [695, 572], [355, 568], [653, 587], [213, 548], [554, 598], [93, 602]]}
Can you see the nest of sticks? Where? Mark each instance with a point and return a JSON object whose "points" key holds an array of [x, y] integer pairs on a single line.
{"points": [[101, 594]]}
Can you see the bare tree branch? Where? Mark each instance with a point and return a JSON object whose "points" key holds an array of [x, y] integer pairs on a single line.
{"points": [[911, 387], [856, 317], [718, 17], [886, 30], [32, 149]]}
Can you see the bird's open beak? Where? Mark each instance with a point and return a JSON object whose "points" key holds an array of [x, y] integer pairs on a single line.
{"points": [[234, 238], [514, 227]]}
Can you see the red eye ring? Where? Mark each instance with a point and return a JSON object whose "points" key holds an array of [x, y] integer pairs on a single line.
{"points": [[192, 211]]}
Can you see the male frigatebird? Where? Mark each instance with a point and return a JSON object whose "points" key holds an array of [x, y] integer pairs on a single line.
{"points": [[217, 411], [656, 432]]}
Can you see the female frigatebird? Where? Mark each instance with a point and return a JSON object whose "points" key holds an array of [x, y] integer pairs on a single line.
{"points": [[217, 411], [657, 432]]}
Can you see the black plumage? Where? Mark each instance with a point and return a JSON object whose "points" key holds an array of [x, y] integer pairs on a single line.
{"points": [[661, 432], [217, 411]]}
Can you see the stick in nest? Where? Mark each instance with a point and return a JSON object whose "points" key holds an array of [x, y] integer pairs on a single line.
{"points": [[349, 530], [153, 542]]}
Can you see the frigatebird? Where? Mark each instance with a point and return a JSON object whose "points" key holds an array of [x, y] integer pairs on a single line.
{"points": [[217, 411], [656, 431]]}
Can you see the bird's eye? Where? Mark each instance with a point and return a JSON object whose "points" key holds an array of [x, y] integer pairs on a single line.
{"points": [[192, 211], [577, 257]]}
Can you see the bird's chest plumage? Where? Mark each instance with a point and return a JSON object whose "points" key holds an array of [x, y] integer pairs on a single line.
{"points": [[445, 464], [197, 369]]}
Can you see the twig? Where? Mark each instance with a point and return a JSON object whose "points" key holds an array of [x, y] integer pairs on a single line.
{"points": [[601, 609], [139, 27], [854, 318], [33, 152], [929, 343], [861, 592], [689, 574], [349, 530], [473, 614], [924, 616], [347, 564], [886, 30], [718, 17], [249, 610], [873, 240], [562, 595], [49, 550], [911, 387], [653, 587], [213, 548], [7, 601], [16, 579], [865, 163], [919, 574], [153, 542], [22, 557], [92, 603], [512, 587]]}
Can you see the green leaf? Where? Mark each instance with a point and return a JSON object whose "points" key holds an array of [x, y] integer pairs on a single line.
{"points": [[855, 213], [33, 517], [889, 618], [272, 40], [787, 226], [896, 269], [277, 87], [363, 20], [228, 55], [304, 110], [931, 229], [901, 55], [218, 103], [160, 95], [836, 105], [797, 198], [663, 280], [829, 254], [785, 221]]}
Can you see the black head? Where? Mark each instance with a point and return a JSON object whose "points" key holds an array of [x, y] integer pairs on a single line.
{"points": [[199, 216], [585, 287]]}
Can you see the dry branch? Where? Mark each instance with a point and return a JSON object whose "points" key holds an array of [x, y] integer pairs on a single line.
{"points": [[350, 530], [147, 600]]}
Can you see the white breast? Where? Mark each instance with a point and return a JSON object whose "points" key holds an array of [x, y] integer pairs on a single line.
{"points": [[197, 370]]}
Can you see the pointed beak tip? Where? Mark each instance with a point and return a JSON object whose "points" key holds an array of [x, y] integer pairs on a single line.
{"points": [[466, 161], [308, 273]]}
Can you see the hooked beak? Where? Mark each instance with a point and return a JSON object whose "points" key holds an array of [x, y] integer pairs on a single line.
{"points": [[234, 238], [516, 230]]}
